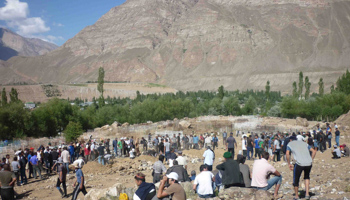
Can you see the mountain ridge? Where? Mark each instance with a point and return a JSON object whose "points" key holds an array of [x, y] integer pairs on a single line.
{"points": [[202, 44], [12, 44]]}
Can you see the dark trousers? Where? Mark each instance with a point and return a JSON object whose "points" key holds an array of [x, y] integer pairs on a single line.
{"points": [[23, 175], [258, 152], [250, 152], [17, 177], [232, 150], [7, 194], [278, 154], [329, 140], [77, 190], [58, 186], [30, 175], [48, 166], [323, 146], [245, 153]]}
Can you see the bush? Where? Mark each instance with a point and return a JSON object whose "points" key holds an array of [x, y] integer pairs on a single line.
{"points": [[73, 131]]}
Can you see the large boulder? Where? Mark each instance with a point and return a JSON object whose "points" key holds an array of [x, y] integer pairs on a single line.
{"points": [[105, 127], [185, 124], [302, 122], [111, 193], [245, 193]]}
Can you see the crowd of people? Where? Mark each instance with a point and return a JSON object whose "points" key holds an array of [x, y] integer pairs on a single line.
{"points": [[263, 148]]}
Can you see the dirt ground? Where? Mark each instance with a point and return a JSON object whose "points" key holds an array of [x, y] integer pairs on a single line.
{"points": [[329, 178]]}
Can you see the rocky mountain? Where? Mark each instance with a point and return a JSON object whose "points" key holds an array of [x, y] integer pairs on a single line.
{"points": [[12, 44], [202, 44]]}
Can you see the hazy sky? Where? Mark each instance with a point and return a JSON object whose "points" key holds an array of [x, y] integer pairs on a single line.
{"points": [[52, 20]]}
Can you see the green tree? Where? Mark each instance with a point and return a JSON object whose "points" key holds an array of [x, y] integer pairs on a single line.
{"points": [[13, 95], [267, 90], [249, 106], [301, 84], [3, 97], [307, 87], [295, 90], [321, 87], [73, 131], [332, 89], [100, 82], [221, 92]]}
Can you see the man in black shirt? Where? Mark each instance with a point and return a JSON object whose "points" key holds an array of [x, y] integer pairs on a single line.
{"points": [[250, 147], [337, 136], [48, 160], [161, 146], [54, 155], [22, 170], [101, 153]]}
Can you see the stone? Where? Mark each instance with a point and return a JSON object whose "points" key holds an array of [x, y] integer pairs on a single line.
{"points": [[245, 193], [111, 193], [185, 124], [302, 122], [126, 124], [105, 127]]}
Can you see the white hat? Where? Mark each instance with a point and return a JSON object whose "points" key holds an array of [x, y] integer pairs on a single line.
{"points": [[173, 175]]}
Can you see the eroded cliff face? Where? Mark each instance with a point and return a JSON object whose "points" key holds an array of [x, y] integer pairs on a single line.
{"points": [[202, 44]]}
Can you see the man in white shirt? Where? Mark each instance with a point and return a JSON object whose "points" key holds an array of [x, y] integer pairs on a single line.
{"points": [[209, 157], [261, 173], [244, 145], [336, 152], [166, 149], [66, 158], [277, 148], [182, 160], [203, 183]]}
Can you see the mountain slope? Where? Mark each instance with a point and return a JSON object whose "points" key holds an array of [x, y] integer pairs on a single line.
{"points": [[202, 44], [12, 44]]}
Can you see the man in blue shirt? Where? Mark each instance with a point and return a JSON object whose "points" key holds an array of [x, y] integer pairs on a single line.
{"points": [[35, 164], [195, 141], [257, 147], [224, 135], [115, 146], [79, 182], [71, 152]]}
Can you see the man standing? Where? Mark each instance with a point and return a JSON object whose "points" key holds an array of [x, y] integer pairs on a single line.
{"points": [[115, 146], [337, 136], [161, 147], [301, 154], [261, 173], [34, 161], [277, 148], [257, 147], [203, 183], [22, 169], [166, 149], [65, 158], [79, 182], [120, 147], [158, 169], [244, 145], [7, 179], [224, 137], [101, 153], [179, 141], [231, 144], [145, 191], [232, 175], [175, 190], [61, 178], [15, 168], [215, 141], [195, 142], [209, 157], [155, 144], [250, 147], [71, 152]]}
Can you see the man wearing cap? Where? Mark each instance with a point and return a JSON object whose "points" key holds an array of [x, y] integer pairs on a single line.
{"points": [[203, 183], [182, 160], [79, 182], [231, 144], [303, 162], [209, 157], [336, 152], [145, 191], [62, 171], [261, 173], [175, 190], [232, 175]]}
